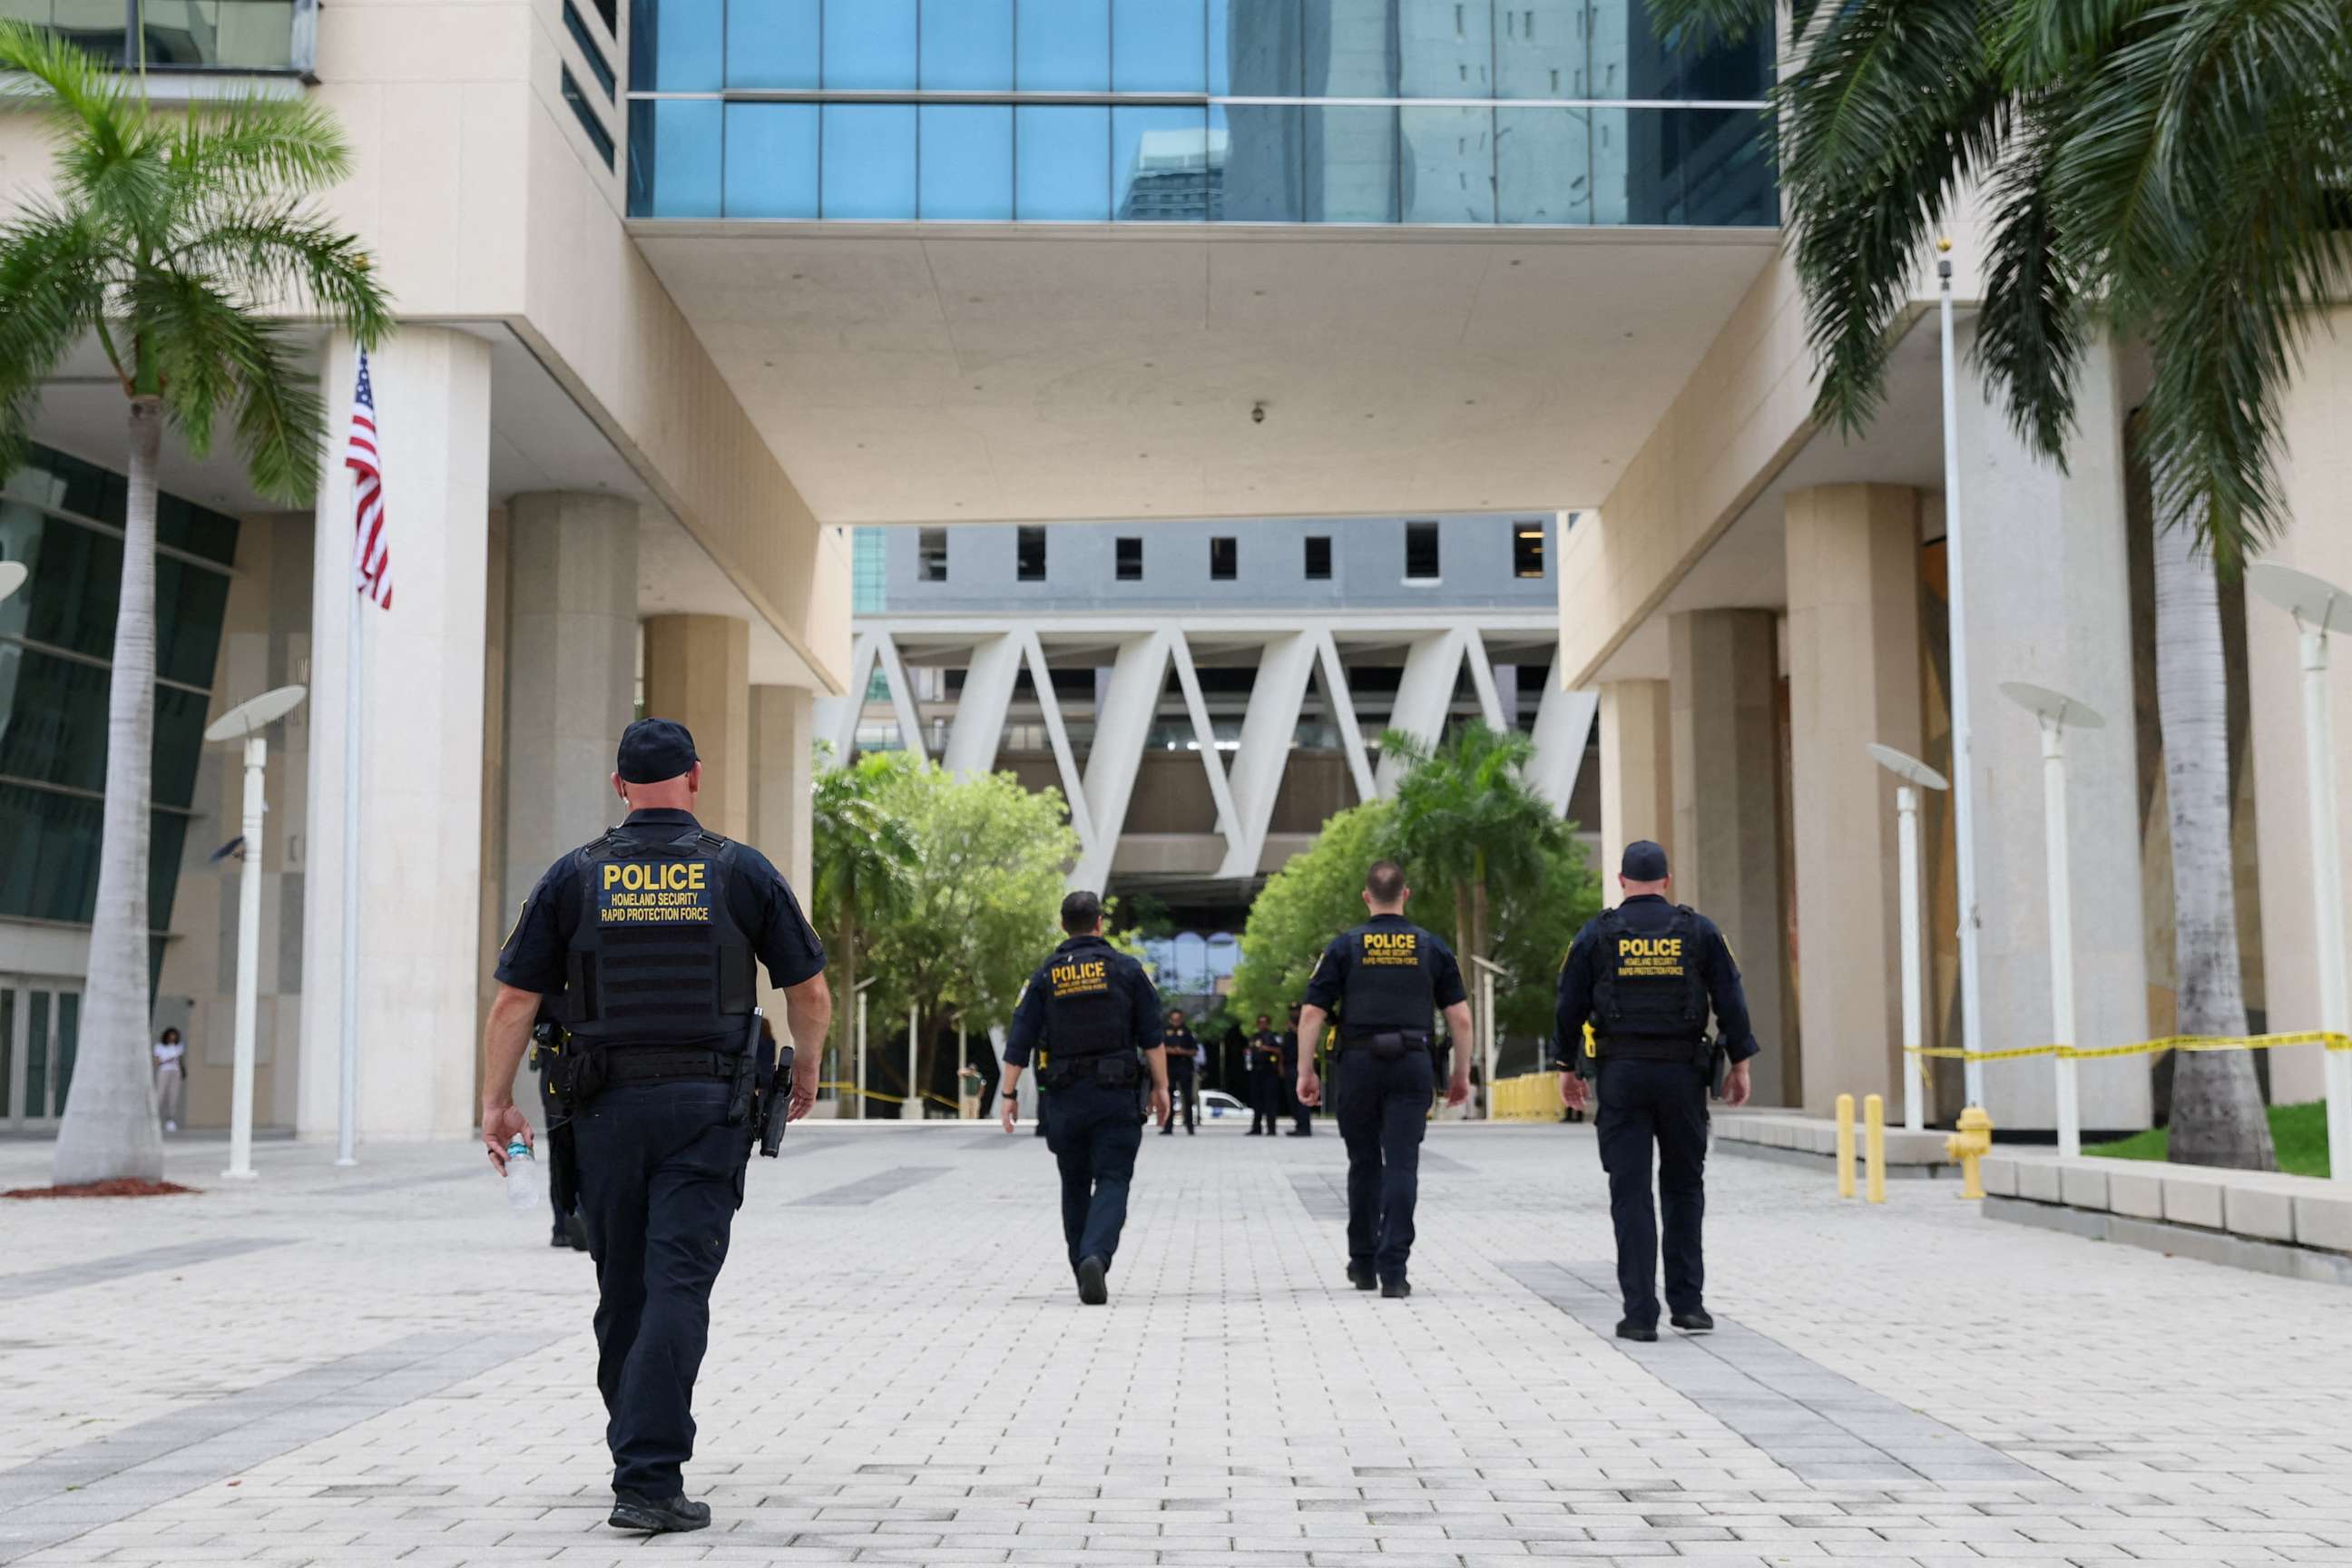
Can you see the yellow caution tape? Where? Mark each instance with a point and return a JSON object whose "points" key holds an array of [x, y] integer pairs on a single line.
{"points": [[888, 1098], [2334, 1042]]}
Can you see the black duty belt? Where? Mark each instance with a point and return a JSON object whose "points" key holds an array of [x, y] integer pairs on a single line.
{"points": [[666, 1064], [1387, 1045]]}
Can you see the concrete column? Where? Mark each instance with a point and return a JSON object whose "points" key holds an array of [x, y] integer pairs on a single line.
{"points": [[422, 738], [783, 748], [2048, 601], [1853, 678], [571, 673], [2315, 474], [699, 672], [1637, 773], [1724, 678]]}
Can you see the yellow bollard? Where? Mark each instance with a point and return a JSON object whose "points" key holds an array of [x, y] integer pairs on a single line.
{"points": [[1874, 1123], [1973, 1142], [1845, 1145]]}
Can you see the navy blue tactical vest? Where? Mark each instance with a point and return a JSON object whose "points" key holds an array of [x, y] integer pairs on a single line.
{"points": [[1648, 985], [1086, 1016], [1389, 985], [656, 957]]}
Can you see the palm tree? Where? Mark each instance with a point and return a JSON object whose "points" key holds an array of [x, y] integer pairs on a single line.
{"points": [[2169, 172], [167, 239], [1465, 816], [861, 856]]}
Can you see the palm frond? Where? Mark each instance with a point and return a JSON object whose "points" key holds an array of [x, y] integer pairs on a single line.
{"points": [[54, 267], [1727, 21], [1894, 105], [281, 253], [2030, 332], [211, 352], [282, 423], [259, 146]]}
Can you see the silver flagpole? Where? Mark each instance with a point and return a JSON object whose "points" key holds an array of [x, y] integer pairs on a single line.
{"points": [[354, 688]]}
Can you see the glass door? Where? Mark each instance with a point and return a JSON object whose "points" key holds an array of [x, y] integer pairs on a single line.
{"points": [[40, 1031]]}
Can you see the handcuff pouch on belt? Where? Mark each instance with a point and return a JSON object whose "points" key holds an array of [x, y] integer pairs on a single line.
{"points": [[1391, 1044], [1107, 1069]]}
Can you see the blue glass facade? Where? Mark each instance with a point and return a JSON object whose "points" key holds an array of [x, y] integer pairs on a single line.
{"points": [[1362, 111]]}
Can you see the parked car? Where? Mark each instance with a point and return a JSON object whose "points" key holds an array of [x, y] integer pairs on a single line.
{"points": [[1216, 1102]]}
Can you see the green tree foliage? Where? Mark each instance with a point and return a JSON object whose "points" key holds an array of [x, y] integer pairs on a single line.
{"points": [[168, 238], [981, 900], [1318, 894], [862, 857], [2171, 173]]}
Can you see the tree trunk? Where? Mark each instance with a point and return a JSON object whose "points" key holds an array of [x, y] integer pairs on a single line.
{"points": [[1462, 927], [2218, 1117], [842, 1038], [109, 1127], [1478, 940]]}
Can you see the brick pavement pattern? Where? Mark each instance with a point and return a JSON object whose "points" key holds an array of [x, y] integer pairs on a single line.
{"points": [[383, 1365]]}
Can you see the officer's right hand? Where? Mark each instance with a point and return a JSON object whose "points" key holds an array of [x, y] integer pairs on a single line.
{"points": [[500, 1125], [1573, 1091], [805, 1069], [1310, 1088], [1005, 1110], [1162, 1107]]}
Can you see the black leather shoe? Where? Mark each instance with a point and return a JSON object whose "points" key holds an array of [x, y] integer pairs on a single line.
{"points": [[1094, 1287], [658, 1516], [1167, 1131], [1362, 1279], [562, 1236], [1641, 1334], [1693, 1323], [577, 1229], [1395, 1289]]}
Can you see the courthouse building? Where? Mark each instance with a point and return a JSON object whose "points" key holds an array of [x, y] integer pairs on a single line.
{"points": [[690, 288]]}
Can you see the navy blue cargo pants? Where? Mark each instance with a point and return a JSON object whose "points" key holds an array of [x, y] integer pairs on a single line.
{"points": [[1096, 1132], [1661, 1105], [661, 1175], [1384, 1111]]}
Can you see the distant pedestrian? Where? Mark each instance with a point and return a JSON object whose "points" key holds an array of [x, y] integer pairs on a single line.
{"points": [[170, 1080], [1183, 1059], [1301, 1114], [1264, 1076]]}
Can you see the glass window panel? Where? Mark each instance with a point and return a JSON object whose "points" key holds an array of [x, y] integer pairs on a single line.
{"points": [[771, 43], [1257, 145], [191, 603], [178, 745], [1351, 173], [1256, 47], [674, 158], [77, 574], [98, 26], [240, 35], [968, 45], [167, 837], [53, 723], [869, 43], [869, 154], [1063, 45], [771, 163], [592, 51], [1063, 163], [967, 162], [1129, 559], [585, 113], [1446, 48], [185, 526], [678, 45], [1727, 176], [1540, 47], [931, 558], [36, 1053], [1449, 164], [1349, 48], [1544, 165], [69, 1041], [1170, 167], [1159, 45], [48, 854]]}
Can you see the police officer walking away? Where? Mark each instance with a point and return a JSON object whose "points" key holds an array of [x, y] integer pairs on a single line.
{"points": [[1382, 980], [1093, 1009], [649, 935], [1644, 974], [1182, 1051]]}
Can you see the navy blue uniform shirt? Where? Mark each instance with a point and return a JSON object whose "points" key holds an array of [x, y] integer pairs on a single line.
{"points": [[1648, 913], [1329, 984], [1126, 977], [756, 895]]}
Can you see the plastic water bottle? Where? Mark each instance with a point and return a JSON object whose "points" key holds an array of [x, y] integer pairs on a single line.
{"points": [[526, 1181]]}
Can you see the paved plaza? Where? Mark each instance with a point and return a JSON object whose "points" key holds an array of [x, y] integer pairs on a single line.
{"points": [[382, 1364]]}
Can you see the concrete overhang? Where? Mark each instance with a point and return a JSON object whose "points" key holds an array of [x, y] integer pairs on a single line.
{"points": [[1012, 372]]}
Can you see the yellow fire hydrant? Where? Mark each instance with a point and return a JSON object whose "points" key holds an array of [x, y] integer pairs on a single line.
{"points": [[1971, 1144]]}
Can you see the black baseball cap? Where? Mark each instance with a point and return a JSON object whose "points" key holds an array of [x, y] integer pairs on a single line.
{"points": [[653, 750], [1644, 861]]}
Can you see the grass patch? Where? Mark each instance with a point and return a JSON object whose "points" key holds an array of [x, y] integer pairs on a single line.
{"points": [[2299, 1132]]}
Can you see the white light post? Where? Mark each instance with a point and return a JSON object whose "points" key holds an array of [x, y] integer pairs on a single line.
{"points": [[247, 722], [1964, 820], [1916, 775], [2318, 608], [1489, 1047], [2055, 710], [12, 577], [857, 1080]]}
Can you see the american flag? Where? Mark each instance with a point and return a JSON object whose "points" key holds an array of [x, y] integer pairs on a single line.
{"points": [[370, 541]]}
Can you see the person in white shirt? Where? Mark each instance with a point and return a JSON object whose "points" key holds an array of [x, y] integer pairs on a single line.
{"points": [[170, 1080]]}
